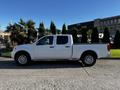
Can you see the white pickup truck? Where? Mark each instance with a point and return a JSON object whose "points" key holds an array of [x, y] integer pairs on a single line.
{"points": [[59, 47]]}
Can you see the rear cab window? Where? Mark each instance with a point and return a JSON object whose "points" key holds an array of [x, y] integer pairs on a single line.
{"points": [[61, 40]]}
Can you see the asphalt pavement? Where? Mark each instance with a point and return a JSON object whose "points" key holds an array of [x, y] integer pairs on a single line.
{"points": [[64, 75]]}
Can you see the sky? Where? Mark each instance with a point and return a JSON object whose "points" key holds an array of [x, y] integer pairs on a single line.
{"points": [[59, 11]]}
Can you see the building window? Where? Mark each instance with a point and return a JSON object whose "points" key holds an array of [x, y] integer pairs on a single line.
{"points": [[111, 28], [108, 22], [104, 22], [111, 21], [115, 21], [118, 20], [100, 23]]}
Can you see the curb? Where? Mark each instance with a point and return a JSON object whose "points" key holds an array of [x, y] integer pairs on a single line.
{"points": [[110, 58]]}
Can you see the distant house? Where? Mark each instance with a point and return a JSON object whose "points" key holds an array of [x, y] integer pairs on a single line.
{"points": [[4, 36]]}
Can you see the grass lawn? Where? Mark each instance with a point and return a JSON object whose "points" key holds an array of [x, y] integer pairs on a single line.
{"points": [[6, 54], [115, 53]]}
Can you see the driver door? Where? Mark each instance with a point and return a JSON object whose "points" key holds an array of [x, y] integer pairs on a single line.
{"points": [[44, 48]]}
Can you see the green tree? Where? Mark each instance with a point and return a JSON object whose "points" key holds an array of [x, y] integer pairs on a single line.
{"points": [[41, 30], [117, 40], [89, 33], [22, 23], [74, 35], [9, 28], [31, 32], [17, 35], [84, 35], [22, 32], [106, 37], [95, 36], [64, 31], [58, 31], [48, 32], [53, 28]]}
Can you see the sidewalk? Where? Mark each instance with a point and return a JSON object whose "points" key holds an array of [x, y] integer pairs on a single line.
{"points": [[5, 58]]}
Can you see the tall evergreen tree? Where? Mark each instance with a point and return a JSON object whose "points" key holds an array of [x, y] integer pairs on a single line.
{"points": [[106, 37], [74, 35], [117, 40], [64, 31], [41, 30], [58, 31], [84, 35], [53, 28], [95, 36]]}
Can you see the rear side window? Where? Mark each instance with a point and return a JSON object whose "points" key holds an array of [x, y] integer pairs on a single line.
{"points": [[62, 40]]}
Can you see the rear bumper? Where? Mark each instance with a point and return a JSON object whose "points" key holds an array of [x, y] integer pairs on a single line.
{"points": [[108, 55]]}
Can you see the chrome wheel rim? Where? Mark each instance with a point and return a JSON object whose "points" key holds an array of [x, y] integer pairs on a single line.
{"points": [[89, 59], [22, 59]]}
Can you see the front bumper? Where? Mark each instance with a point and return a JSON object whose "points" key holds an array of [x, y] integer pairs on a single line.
{"points": [[12, 54]]}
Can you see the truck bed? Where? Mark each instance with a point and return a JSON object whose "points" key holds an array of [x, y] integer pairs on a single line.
{"points": [[99, 49]]}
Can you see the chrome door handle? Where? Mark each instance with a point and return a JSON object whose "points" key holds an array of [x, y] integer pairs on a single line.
{"points": [[51, 46], [67, 46]]}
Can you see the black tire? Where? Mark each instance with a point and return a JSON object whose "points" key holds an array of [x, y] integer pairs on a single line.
{"points": [[88, 59], [23, 55]]}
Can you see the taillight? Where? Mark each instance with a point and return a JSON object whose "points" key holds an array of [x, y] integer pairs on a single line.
{"points": [[108, 47]]}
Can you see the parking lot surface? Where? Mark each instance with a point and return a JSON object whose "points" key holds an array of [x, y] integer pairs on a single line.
{"points": [[105, 75]]}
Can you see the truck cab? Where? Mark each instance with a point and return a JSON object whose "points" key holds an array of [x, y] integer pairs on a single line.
{"points": [[54, 47]]}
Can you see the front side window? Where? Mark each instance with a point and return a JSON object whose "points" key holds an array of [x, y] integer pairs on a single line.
{"points": [[62, 40], [46, 41]]}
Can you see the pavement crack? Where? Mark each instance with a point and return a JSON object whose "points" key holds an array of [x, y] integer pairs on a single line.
{"points": [[86, 72]]}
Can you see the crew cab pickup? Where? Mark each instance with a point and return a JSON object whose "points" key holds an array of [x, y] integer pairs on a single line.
{"points": [[59, 47]]}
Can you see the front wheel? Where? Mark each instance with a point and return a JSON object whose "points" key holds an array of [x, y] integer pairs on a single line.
{"points": [[88, 59], [22, 59]]}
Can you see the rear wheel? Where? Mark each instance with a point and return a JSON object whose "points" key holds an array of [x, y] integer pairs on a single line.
{"points": [[22, 58], [88, 59]]}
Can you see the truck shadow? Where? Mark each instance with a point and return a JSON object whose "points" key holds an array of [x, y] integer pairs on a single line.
{"points": [[41, 65]]}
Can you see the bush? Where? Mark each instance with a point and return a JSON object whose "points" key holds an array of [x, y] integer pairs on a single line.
{"points": [[106, 37], [95, 36], [84, 35], [117, 40]]}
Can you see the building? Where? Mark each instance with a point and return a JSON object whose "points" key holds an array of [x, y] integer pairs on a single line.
{"points": [[5, 35], [112, 23], [89, 24]]}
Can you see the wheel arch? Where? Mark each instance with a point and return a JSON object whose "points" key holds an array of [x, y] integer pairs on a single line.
{"points": [[89, 52], [22, 51]]}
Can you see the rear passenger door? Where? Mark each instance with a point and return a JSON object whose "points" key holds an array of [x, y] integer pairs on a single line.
{"points": [[63, 48]]}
